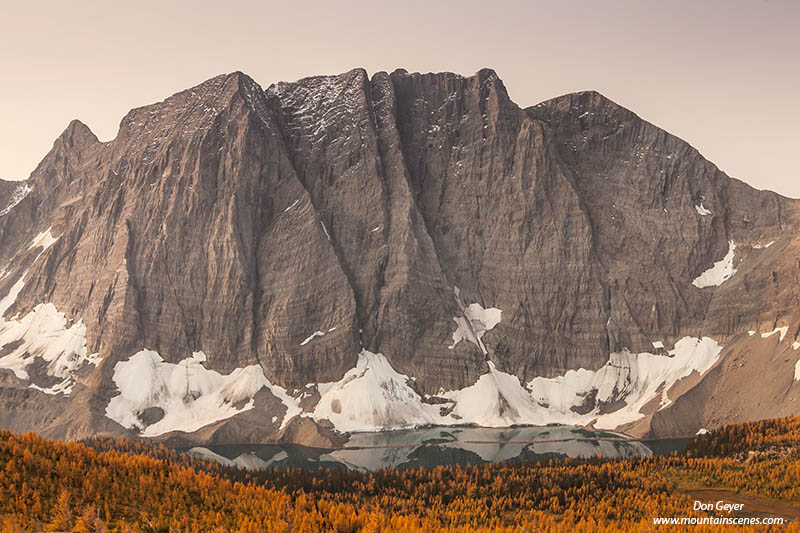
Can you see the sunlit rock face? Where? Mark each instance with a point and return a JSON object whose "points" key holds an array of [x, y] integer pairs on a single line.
{"points": [[352, 253]]}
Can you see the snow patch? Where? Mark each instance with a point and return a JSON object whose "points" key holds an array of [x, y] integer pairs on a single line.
{"points": [[702, 431], [8, 300], [719, 273], [474, 322], [45, 239], [657, 345], [291, 206], [373, 396], [496, 399], [797, 371], [760, 246], [43, 334], [636, 379], [188, 395], [17, 196], [702, 210], [312, 337], [795, 345], [781, 330], [751, 332], [328, 235], [316, 334]]}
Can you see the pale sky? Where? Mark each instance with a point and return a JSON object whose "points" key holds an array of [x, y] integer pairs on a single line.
{"points": [[723, 75]]}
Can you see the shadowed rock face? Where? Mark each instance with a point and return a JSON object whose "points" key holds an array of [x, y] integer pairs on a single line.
{"points": [[365, 214], [6, 188]]}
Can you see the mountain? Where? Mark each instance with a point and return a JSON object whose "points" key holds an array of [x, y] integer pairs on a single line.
{"points": [[12, 192], [352, 253], [6, 188]]}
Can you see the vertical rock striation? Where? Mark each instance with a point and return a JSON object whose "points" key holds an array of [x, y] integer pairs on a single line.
{"points": [[297, 227]]}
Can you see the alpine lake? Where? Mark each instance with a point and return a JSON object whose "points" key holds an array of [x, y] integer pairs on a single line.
{"points": [[434, 446]]}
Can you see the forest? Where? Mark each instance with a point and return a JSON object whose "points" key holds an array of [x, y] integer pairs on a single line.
{"points": [[135, 486]]}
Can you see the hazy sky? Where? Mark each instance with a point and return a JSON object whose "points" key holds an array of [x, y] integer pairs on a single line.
{"points": [[723, 75]]}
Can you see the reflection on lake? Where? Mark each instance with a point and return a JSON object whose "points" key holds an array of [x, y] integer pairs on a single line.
{"points": [[436, 446]]}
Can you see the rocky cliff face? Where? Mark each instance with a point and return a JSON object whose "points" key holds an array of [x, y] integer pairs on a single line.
{"points": [[369, 253], [7, 188]]}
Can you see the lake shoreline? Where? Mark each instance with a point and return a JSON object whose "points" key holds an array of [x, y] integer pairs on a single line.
{"points": [[435, 446]]}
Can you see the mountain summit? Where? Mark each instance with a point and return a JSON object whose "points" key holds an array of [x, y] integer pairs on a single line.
{"points": [[361, 253]]}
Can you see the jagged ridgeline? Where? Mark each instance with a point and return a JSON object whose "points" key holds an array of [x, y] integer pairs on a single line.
{"points": [[355, 253]]}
